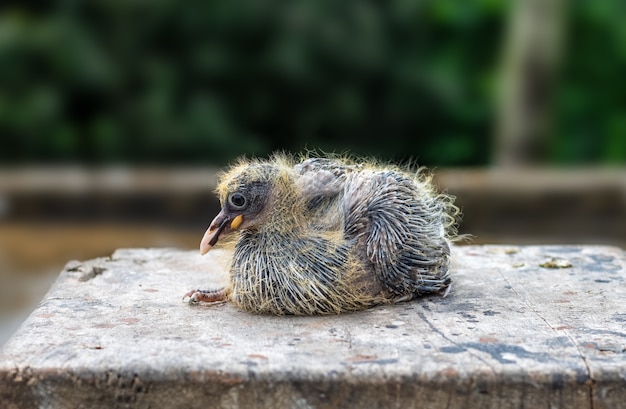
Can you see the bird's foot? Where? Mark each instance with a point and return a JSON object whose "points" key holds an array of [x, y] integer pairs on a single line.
{"points": [[206, 296], [403, 298]]}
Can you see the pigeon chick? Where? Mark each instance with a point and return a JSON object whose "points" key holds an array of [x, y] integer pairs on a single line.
{"points": [[328, 235]]}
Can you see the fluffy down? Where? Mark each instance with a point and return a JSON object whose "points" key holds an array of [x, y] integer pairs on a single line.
{"points": [[327, 235]]}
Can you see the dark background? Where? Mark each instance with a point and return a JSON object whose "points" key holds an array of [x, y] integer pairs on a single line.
{"points": [[199, 82]]}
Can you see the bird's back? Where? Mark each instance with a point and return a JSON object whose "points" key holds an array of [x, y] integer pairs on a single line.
{"points": [[399, 227]]}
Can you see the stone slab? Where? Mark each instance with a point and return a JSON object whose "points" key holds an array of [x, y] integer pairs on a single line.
{"points": [[530, 326]]}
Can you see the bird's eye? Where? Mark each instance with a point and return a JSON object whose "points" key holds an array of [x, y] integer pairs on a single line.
{"points": [[237, 200]]}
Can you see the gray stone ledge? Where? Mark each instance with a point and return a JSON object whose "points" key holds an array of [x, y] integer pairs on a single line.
{"points": [[514, 332]]}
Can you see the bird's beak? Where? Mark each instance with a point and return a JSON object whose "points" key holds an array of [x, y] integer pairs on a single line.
{"points": [[216, 228]]}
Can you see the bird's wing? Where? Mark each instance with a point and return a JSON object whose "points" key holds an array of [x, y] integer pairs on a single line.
{"points": [[321, 183], [318, 177], [399, 225]]}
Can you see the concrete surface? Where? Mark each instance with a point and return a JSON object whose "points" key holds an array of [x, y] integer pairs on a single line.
{"points": [[522, 327]]}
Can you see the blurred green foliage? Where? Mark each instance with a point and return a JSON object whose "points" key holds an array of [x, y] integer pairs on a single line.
{"points": [[185, 81], [591, 105]]}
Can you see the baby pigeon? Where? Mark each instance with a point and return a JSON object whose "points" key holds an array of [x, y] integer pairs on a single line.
{"points": [[328, 235]]}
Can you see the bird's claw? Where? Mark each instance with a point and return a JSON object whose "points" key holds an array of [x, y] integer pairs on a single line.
{"points": [[205, 296]]}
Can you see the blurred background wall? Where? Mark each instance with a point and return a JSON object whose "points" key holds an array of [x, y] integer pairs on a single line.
{"points": [[114, 115]]}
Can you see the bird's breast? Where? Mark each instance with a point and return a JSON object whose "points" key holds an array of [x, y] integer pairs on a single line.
{"points": [[294, 273]]}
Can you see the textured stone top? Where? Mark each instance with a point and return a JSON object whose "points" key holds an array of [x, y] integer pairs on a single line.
{"points": [[523, 326]]}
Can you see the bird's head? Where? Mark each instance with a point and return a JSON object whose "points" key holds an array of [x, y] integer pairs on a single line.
{"points": [[246, 195]]}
